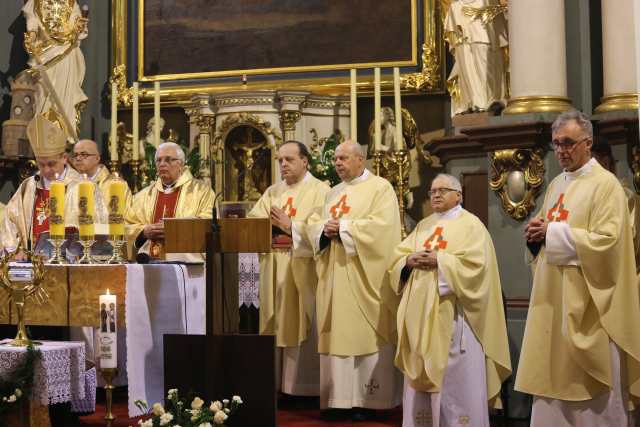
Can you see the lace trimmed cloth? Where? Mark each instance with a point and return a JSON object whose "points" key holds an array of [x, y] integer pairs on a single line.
{"points": [[59, 376], [248, 279]]}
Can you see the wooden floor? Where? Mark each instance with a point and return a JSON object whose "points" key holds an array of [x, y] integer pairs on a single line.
{"points": [[298, 412]]}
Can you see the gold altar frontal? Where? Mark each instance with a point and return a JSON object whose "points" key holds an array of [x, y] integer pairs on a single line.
{"points": [[73, 296]]}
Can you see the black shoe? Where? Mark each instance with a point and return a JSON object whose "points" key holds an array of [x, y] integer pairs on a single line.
{"points": [[363, 414], [334, 414]]}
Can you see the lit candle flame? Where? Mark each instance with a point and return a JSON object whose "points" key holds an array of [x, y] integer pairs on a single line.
{"points": [[108, 291]]}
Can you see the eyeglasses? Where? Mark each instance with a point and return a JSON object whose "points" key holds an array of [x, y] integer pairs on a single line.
{"points": [[167, 160], [567, 144], [82, 156], [440, 191]]}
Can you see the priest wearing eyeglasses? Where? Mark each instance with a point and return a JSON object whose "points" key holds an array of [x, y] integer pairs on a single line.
{"points": [[174, 194], [452, 336], [86, 160], [580, 355]]}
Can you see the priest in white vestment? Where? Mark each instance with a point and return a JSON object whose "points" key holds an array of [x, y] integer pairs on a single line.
{"points": [[580, 355], [288, 278], [452, 336], [354, 236]]}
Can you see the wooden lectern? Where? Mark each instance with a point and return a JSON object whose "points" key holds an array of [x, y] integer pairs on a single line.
{"points": [[223, 363]]}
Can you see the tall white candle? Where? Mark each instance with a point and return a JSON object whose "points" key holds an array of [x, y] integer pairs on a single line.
{"points": [[135, 128], [108, 331], [377, 141], [113, 140], [354, 105], [156, 112], [397, 140]]}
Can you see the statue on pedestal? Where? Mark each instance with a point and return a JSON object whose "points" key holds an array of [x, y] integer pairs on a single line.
{"points": [[476, 31], [54, 31]]}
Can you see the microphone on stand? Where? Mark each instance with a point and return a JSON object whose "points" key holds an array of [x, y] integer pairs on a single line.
{"points": [[215, 225]]}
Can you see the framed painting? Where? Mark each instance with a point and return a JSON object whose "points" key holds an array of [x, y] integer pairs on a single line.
{"points": [[198, 46], [180, 39]]}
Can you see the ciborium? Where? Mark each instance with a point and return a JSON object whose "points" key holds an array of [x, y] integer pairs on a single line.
{"points": [[24, 282]]}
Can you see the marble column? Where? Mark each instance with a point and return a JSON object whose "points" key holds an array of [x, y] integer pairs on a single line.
{"points": [[618, 57], [538, 63]]}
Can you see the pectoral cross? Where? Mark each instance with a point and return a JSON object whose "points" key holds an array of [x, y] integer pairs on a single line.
{"points": [[42, 215]]}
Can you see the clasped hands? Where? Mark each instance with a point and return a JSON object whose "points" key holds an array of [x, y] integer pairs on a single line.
{"points": [[280, 219], [332, 228], [154, 232], [425, 260], [536, 230]]}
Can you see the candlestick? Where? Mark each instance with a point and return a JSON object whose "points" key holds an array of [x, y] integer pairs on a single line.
{"points": [[116, 191], [398, 143], [354, 105], [156, 113], [135, 128], [113, 140], [116, 197], [56, 209], [86, 208], [108, 374], [377, 137], [108, 331]]}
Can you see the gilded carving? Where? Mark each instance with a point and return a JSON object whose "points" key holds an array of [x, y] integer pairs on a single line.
{"points": [[517, 176], [429, 77]]}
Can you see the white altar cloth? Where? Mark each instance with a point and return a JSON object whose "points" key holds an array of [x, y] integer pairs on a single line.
{"points": [[160, 299], [59, 376]]}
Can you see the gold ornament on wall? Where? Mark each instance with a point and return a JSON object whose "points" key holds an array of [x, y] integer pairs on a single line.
{"points": [[517, 176], [633, 154]]}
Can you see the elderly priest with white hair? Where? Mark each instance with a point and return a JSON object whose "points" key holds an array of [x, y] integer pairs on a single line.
{"points": [[452, 336], [174, 194], [353, 236]]}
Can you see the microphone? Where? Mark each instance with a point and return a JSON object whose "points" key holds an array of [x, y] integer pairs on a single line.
{"points": [[215, 225], [85, 11]]}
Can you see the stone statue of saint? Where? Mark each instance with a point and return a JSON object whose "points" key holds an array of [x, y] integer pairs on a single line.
{"points": [[387, 128], [476, 31], [54, 31]]}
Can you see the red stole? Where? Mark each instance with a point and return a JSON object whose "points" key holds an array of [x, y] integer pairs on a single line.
{"points": [[165, 208], [40, 220]]}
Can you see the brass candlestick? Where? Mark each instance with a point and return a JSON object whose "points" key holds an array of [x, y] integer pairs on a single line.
{"points": [[108, 374], [86, 242], [56, 258], [377, 161], [116, 243], [135, 171]]}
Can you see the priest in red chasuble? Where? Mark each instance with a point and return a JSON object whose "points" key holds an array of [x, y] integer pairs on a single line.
{"points": [[175, 194], [580, 355], [27, 213], [353, 236], [288, 278]]}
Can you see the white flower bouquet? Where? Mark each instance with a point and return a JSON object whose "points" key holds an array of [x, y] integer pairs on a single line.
{"points": [[188, 412]]}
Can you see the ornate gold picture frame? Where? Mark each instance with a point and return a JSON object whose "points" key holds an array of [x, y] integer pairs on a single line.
{"points": [[428, 59]]}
